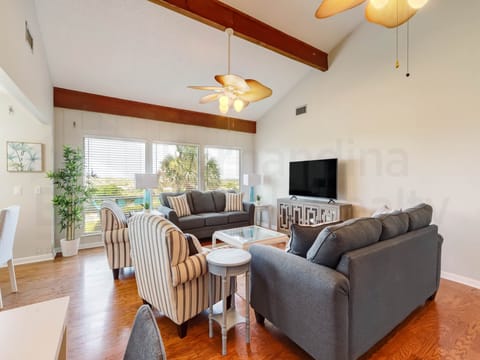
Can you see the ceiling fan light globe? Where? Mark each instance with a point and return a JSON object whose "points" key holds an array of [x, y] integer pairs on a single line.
{"points": [[223, 100], [238, 105], [223, 108], [417, 4], [379, 4]]}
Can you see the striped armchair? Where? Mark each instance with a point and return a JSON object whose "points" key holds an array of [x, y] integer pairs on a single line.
{"points": [[170, 270], [115, 237]]}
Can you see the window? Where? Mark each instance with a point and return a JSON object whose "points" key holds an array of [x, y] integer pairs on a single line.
{"points": [[222, 168], [177, 166], [111, 166]]}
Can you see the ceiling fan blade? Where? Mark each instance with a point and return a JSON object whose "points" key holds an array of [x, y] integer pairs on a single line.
{"points": [[234, 81], [210, 98], [390, 15], [210, 88], [257, 91], [331, 7]]}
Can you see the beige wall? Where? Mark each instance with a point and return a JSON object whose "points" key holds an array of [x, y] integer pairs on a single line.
{"points": [[33, 239], [71, 126], [399, 140]]}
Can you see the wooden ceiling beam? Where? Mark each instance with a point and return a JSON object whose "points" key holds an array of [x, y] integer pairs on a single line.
{"points": [[222, 16], [77, 100]]}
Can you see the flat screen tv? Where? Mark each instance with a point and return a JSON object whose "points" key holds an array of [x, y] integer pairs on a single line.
{"points": [[316, 178]]}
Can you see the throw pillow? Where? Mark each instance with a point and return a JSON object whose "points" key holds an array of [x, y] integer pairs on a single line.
{"points": [[382, 210], [302, 237], [233, 202], [336, 240], [180, 205]]}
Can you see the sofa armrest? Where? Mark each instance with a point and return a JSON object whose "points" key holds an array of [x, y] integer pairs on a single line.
{"points": [[117, 236], [169, 214], [193, 267], [307, 301], [250, 208]]}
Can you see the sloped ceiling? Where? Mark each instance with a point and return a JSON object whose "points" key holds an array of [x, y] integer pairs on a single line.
{"points": [[137, 50]]}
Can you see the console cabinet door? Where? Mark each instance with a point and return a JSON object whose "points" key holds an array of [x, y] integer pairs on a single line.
{"points": [[297, 214], [284, 213], [311, 215]]}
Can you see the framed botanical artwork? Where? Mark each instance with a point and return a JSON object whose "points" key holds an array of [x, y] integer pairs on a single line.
{"points": [[24, 157]]}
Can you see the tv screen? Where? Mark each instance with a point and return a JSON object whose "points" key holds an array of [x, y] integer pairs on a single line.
{"points": [[314, 178]]}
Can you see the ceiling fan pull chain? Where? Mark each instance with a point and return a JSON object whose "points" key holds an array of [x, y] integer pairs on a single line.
{"points": [[408, 49], [397, 63], [229, 32]]}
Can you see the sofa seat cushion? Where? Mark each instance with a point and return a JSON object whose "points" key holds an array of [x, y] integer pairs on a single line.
{"points": [[191, 222], [419, 216], [213, 218], [393, 224], [335, 240], [237, 216], [202, 202]]}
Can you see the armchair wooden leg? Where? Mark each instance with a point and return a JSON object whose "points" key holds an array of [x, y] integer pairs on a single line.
{"points": [[115, 272], [1, 301], [145, 302], [260, 318], [182, 329], [229, 301]]}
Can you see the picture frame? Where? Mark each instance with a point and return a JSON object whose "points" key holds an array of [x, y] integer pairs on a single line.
{"points": [[24, 156]]}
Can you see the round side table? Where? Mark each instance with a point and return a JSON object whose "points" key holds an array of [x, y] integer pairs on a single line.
{"points": [[227, 263]]}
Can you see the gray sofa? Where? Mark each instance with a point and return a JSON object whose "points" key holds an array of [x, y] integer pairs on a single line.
{"points": [[357, 282], [208, 213]]}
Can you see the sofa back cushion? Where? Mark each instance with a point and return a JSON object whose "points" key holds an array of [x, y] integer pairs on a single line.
{"points": [[419, 216], [219, 200], [202, 202], [335, 240], [393, 224], [302, 237]]}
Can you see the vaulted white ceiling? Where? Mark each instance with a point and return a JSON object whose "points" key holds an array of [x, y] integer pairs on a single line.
{"points": [[136, 50]]}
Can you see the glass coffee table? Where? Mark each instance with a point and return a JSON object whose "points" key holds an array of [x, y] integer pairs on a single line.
{"points": [[244, 237]]}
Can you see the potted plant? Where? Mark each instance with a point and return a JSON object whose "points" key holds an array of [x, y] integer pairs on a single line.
{"points": [[259, 198], [70, 196]]}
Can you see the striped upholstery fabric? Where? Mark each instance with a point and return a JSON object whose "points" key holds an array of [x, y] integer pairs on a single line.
{"points": [[233, 202], [180, 205], [167, 276], [115, 235]]}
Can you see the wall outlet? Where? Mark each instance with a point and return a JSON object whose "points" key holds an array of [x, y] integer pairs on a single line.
{"points": [[17, 190], [37, 190]]}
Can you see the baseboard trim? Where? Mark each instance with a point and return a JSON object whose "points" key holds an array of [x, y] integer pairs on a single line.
{"points": [[460, 279], [58, 250], [30, 259], [91, 245]]}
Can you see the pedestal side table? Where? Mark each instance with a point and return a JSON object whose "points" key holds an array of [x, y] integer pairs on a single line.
{"points": [[227, 263]]}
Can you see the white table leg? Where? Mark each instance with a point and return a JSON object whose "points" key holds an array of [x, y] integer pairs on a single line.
{"points": [[247, 306], [224, 316]]}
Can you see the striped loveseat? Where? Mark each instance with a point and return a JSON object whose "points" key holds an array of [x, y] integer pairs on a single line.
{"points": [[115, 236], [170, 269]]}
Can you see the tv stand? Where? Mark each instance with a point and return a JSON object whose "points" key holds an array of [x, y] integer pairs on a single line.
{"points": [[304, 211], [331, 201], [293, 197]]}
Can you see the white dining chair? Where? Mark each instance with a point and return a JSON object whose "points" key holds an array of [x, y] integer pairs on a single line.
{"points": [[8, 227]]}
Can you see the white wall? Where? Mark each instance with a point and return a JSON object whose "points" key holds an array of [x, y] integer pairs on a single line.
{"points": [[399, 140], [29, 71], [25, 85], [71, 126]]}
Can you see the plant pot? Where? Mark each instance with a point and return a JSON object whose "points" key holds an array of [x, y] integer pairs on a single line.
{"points": [[70, 247]]}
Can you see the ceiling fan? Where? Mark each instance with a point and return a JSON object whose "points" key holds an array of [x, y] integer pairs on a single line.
{"points": [[234, 90], [389, 13]]}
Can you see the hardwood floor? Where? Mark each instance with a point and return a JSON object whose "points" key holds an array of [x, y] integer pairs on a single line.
{"points": [[102, 311]]}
